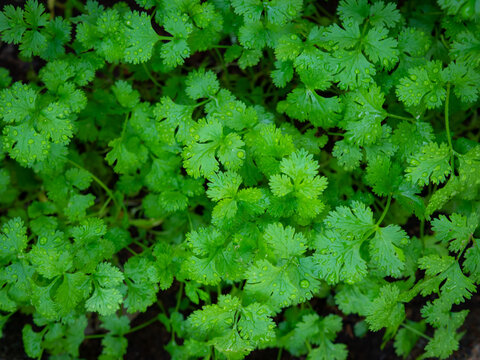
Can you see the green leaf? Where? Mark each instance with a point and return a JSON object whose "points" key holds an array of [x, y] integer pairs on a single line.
{"points": [[210, 141], [381, 49], [127, 155], [140, 37], [70, 292], [386, 252], [13, 239], [175, 52], [348, 155], [32, 341], [126, 96], [17, 103], [12, 25], [430, 165], [320, 332], [51, 255], [423, 86], [141, 279], [339, 258], [456, 232], [364, 114], [386, 310], [233, 329], [471, 264], [284, 242], [106, 297], [299, 184], [464, 78], [77, 206], [305, 104], [208, 261], [405, 340], [201, 84]]}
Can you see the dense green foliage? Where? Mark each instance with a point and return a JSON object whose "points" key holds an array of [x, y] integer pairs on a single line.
{"points": [[248, 156]]}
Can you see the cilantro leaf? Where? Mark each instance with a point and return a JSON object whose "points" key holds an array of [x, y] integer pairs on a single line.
{"points": [[140, 37]]}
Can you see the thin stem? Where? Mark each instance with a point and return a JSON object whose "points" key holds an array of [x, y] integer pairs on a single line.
{"points": [[130, 250], [419, 333], [444, 42], [202, 103], [189, 220], [143, 325], [150, 75], [145, 223], [422, 228], [309, 347], [464, 247], [179, 297], [134, 329], [162, 308], [144, 247], [94, 336], [401, 117], [335, 134], [384, 213], [51, 8], [447, 127], [166, 38], [279, 354], [97, 180], [124, 128], [318, 7]]}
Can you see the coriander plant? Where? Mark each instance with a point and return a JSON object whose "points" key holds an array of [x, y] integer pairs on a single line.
{"points": [[274, 166]]}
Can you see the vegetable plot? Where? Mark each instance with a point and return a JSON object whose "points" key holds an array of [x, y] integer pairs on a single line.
{"points": [[278, 165]]}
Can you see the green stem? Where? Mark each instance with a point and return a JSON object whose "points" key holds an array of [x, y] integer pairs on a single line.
{"points": [[447, 127], [279, 354], [179, 297], [144, 247], [444, 42], [132, 330], [150, 75], [422, 228], [335, 134], [317, 7], [419, 333], [143, 325], [309, 347], [384, 213], [124, 128], [162, 308], [97, 180], [131, 251], [202, 103], [464, 247], [401, 117], [145, 223], [189, 220]]}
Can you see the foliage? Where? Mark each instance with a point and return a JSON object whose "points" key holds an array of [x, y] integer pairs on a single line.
{"points": [[255, 160]]}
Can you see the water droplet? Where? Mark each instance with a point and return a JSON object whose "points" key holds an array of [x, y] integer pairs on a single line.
{"points": [[304, 284]]}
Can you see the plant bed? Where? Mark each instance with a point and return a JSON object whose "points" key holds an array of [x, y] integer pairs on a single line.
{"points": [[229, 179]]}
